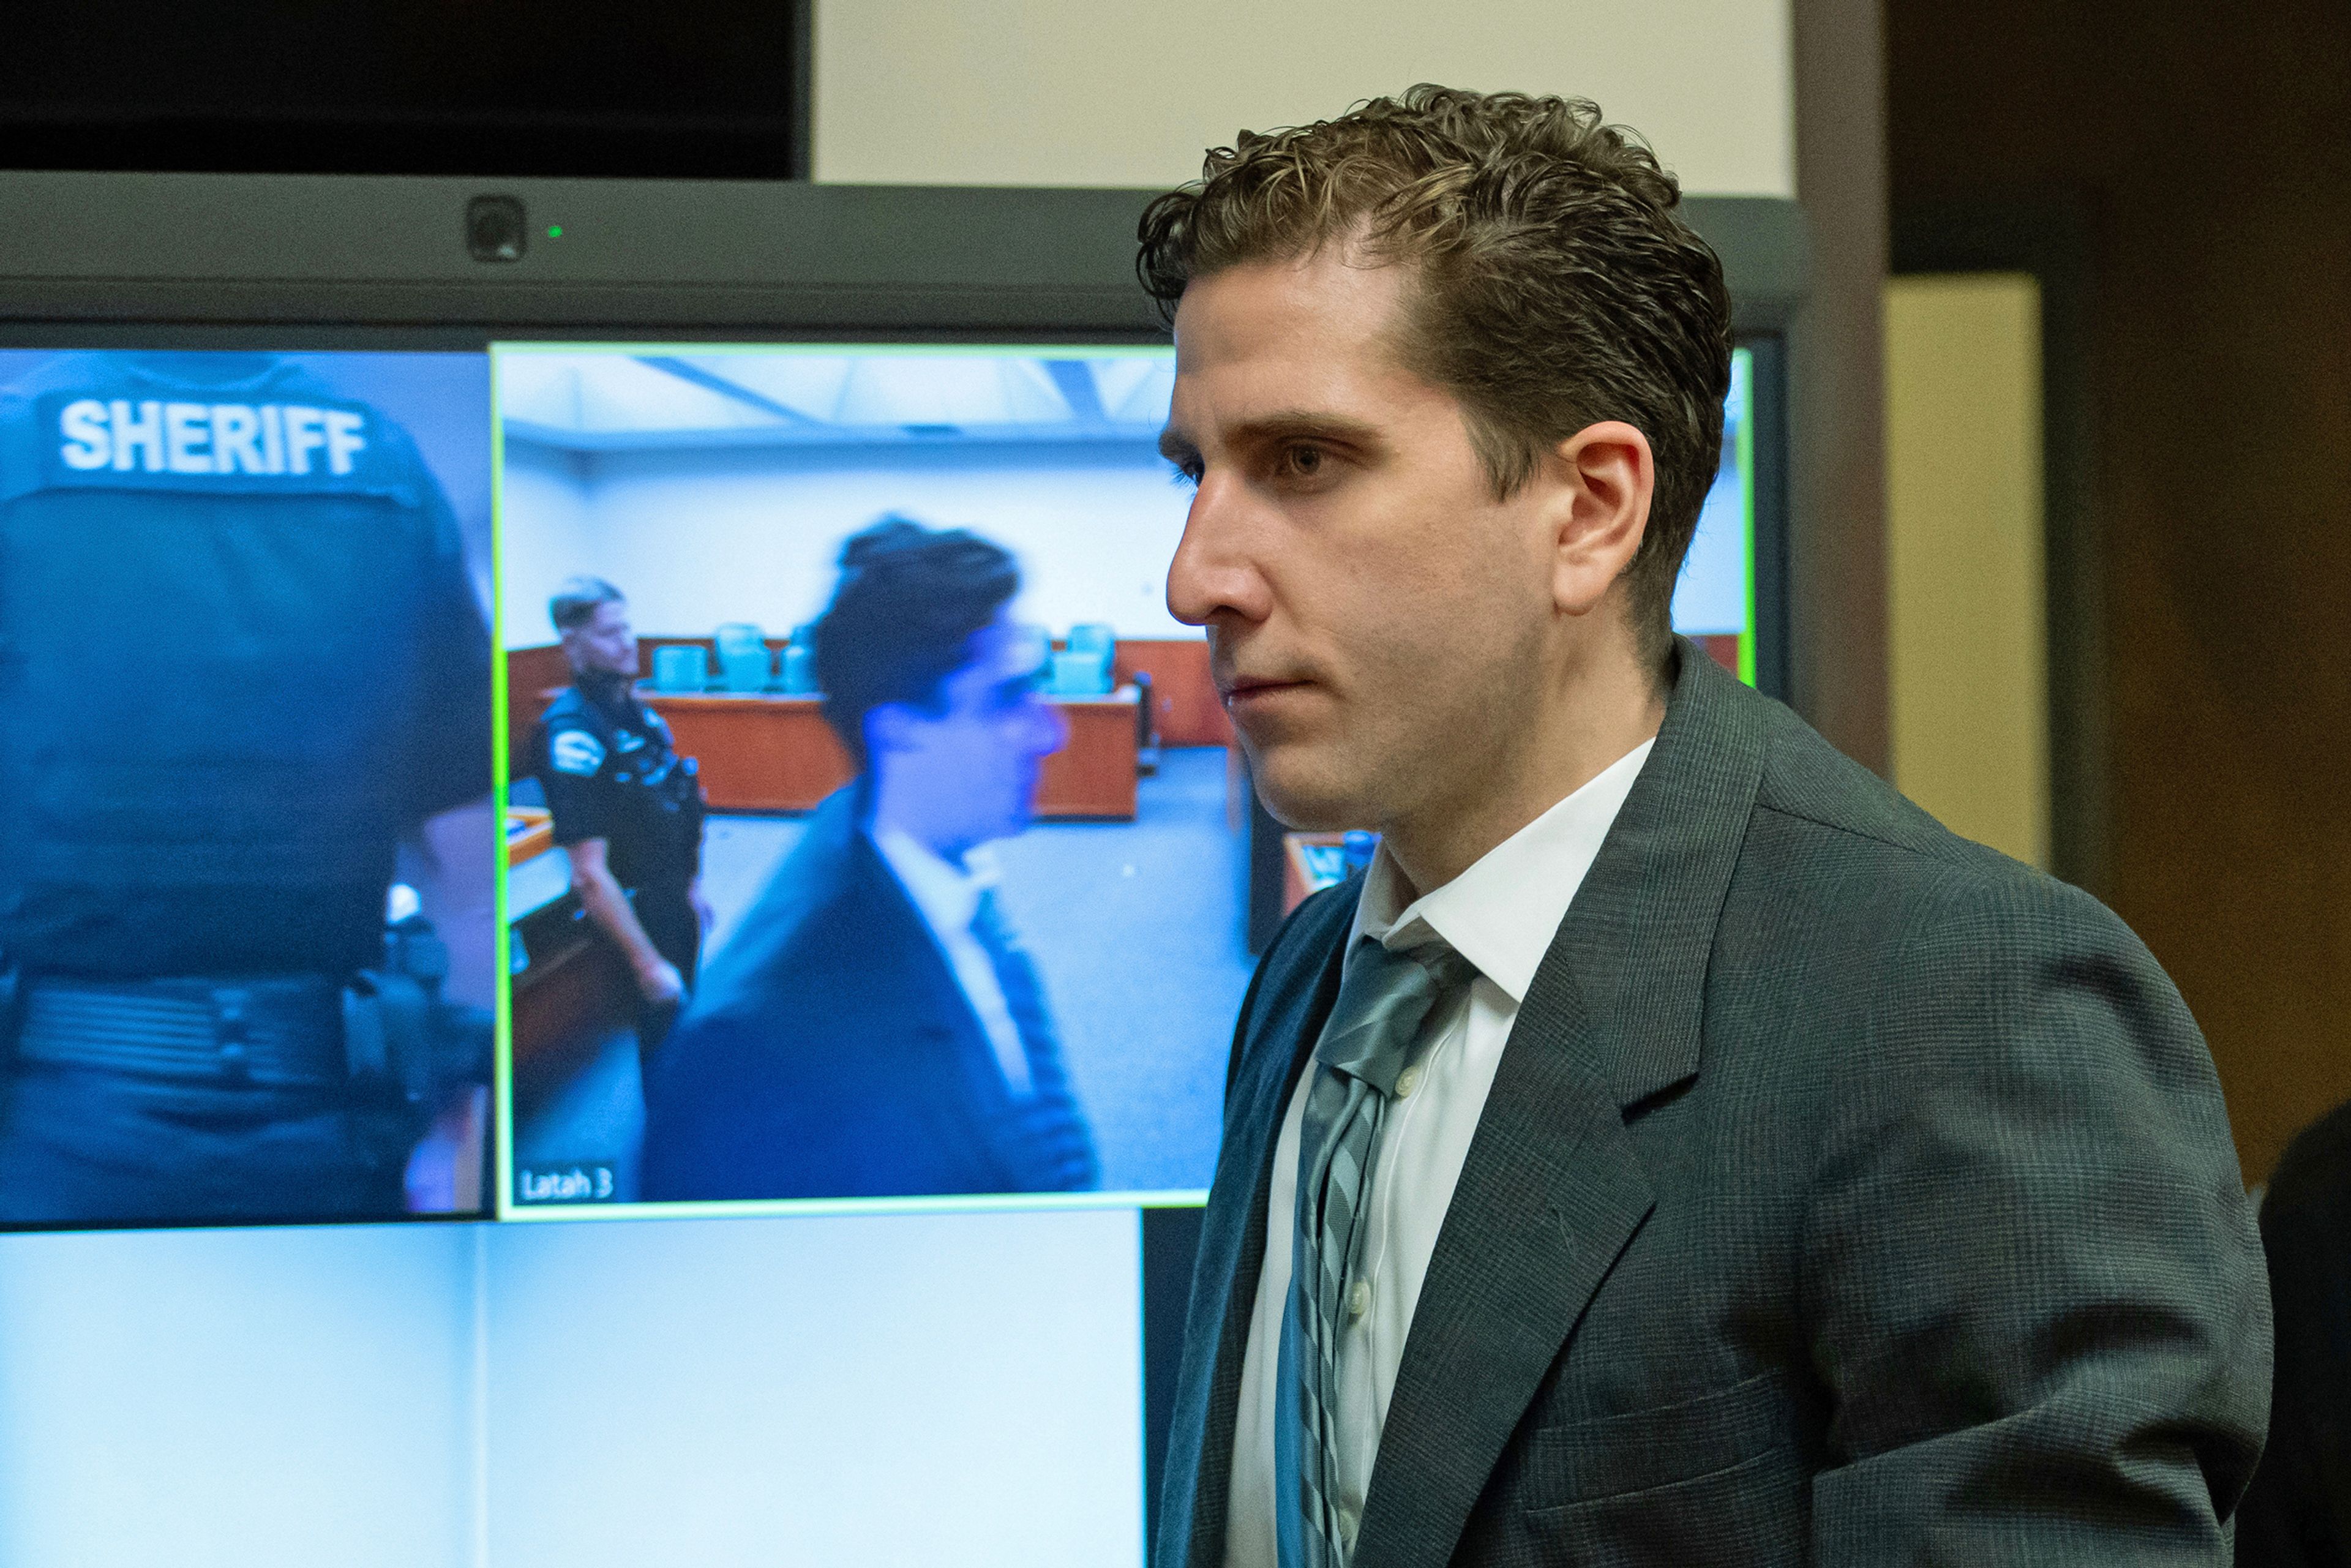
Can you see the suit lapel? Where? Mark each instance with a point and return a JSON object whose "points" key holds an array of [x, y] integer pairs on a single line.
{"points": [[956, 1067], [1552, 1190], [1292, 995]]}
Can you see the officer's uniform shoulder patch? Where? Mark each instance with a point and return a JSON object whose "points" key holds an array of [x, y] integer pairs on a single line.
{"points": [[575, 751]]}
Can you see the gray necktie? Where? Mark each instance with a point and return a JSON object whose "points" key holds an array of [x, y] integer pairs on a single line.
{"points": [[1057, 1146], [1384, 998]]}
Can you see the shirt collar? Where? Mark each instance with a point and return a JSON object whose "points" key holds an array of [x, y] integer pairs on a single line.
{"points": [[1502, 912], [947, 894]]}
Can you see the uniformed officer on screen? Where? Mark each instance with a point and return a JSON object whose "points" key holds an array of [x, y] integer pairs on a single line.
{"points": [[627, 807], [239, 656]]}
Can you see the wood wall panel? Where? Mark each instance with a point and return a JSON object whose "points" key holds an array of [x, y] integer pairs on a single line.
{"points": [[575, 994], [1186, 711], [1837, 457], [2214, 351], [758, 754], [1093, 776], [1186, 708], [533, 677], [777, 754], [535, 674]]}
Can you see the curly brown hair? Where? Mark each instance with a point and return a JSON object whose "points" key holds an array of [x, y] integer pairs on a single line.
{"points": [[1556, 285]]}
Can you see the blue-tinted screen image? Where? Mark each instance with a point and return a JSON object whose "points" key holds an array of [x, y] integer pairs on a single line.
{"points": [[875, 832], [246, 932], [970, 872]]}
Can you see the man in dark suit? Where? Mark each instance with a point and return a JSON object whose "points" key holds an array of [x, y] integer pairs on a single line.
{"points": [[875, 1028], [1677, 1148], [2297, 1514]]}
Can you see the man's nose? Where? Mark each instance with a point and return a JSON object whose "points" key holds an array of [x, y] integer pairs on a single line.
{"points": [[1215, 574]]}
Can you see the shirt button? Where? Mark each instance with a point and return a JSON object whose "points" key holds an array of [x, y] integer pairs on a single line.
{"points": [[1407, 1080], [1359, 1298]]}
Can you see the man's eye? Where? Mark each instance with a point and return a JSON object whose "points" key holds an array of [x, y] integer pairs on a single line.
{"points": [[1302, 462], [1186, 475]]}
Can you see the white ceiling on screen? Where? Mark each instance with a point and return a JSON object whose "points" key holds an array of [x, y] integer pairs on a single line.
{"points": [[615, 400]]}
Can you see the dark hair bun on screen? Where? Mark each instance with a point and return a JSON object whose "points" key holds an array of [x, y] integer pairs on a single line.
{"points": [[903, 616], [889, 537]]}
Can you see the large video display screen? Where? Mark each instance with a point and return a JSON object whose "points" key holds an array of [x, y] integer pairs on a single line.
{"points": [[869, 835], [753, 794]]}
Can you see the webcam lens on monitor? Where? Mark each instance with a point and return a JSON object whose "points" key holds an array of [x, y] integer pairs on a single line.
{"points": [[495, 229]]}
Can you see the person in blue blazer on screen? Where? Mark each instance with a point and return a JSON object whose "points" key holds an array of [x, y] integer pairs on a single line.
{"points": [[876, 1028]]}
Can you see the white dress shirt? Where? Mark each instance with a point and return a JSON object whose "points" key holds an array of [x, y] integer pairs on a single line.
{"points": [[1500, 914], [947, 897]]}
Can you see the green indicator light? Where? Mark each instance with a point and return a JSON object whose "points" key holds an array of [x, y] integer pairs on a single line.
{"points": [[555, 231]]}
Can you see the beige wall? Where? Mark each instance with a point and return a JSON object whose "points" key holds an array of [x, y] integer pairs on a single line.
{"points": [[1118, 92], [1966, 618]]}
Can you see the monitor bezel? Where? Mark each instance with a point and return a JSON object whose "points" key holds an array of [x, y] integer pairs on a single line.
{"points": [[708, 257]]}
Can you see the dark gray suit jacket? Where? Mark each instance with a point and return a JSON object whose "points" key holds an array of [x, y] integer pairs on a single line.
{"points": [[831, 1052], [1848, 1194]]}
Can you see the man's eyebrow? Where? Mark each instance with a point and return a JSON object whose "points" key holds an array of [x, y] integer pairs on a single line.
{"points": [[1294, 424], [1282, 424]]}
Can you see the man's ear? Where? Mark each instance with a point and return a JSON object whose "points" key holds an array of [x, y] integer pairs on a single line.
{"points": [[1600, 481], [887, 727]]}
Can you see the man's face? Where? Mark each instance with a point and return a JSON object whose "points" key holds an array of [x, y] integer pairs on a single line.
{"points": [[604, 643], [1376, 619], [965, 772]]}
